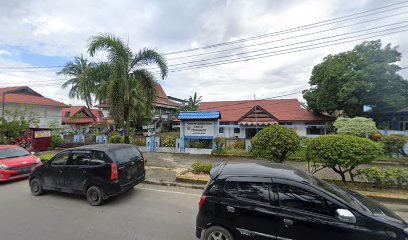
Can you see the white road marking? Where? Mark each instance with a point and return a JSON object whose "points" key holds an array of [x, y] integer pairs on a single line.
{"points": [[167, 191]]}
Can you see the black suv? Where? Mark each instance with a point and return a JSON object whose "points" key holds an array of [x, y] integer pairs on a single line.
{"points": [[97, 171], [274, 201]]}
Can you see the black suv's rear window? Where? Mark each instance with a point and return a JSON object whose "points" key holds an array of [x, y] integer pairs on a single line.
{"points": [[124, 155]]}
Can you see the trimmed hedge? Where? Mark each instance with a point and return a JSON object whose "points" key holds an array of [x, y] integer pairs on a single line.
{"points": [[384, 178], [200, 167], [393, 143], [45, 158]]}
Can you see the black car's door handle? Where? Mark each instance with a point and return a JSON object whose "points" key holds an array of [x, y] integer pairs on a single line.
{"points": [[60, 171], [230, 209], [287, 222]]}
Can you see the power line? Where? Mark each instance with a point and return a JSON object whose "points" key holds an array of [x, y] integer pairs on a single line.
{"points": [[303, 27], [297, 43], [265, 55], [287, 38]]}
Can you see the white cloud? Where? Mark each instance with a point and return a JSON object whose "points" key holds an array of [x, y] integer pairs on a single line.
{"points": [[62, 29]]}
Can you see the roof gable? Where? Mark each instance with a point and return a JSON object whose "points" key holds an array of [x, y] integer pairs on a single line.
{"points": [[26, 95]]}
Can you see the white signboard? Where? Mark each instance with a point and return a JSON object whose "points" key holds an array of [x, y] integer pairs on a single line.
{"points": [[198, 129]]}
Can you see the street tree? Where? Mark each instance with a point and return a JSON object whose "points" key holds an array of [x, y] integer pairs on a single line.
{"points": [[193, 103], [365, 76], [130, 85], [341, 153]]}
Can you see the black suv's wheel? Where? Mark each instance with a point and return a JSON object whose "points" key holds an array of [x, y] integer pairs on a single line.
{"points": [[94, 196], [217, 233], [36, 187]]}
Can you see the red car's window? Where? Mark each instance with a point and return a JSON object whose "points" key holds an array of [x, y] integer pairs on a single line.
{"points": [[13, 152]]}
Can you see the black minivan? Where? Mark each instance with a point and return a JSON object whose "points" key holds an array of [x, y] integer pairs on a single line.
{"points": [[275, 201], [97, 171]]}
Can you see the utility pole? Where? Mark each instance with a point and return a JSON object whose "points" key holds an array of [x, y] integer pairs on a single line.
{"points": [[256, 116]]}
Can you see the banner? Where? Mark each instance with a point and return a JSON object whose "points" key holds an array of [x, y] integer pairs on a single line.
{"points": [[41, 134]]}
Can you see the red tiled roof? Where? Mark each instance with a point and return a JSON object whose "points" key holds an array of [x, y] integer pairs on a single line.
{"points": [[25, 95], [162, 99], [71, 119], [281, 109]]}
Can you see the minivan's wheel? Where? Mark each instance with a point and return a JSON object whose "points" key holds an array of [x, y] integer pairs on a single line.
{"points": [[94, 196], [217, 233], [36, 187]]}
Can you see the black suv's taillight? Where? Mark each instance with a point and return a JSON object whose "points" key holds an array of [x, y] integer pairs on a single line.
{"points": [[202, 200]]}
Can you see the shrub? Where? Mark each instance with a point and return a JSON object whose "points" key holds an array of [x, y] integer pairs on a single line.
{"points": [[116, 138], [239, 144], [219, 142], [384, 178], [358, 126], [341, 153], [200, 167], [56, 141], [140, 141], [168, 142], [45, 158], [393, 143], [275, 143]]}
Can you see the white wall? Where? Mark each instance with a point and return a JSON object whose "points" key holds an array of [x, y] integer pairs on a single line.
{"points": [[45, 114], [229, 133]]}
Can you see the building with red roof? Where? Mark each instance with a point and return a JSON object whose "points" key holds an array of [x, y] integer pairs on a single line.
{"points": [[82, 119], [44, 109], [165, 110], [244, 118]]}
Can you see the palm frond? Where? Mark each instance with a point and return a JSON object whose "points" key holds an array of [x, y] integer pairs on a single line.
{"points": [[147, 57]]}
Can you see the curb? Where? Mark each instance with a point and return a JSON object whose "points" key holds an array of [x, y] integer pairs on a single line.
{"points": [[385, 197], [174, 184], [191, 180]]}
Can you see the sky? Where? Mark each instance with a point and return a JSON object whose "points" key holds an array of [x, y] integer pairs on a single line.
{"points": [[49, 33]]}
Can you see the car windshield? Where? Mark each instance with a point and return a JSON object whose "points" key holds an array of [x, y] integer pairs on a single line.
{"points": [[12, 153], [125, 155], [356, 200]]}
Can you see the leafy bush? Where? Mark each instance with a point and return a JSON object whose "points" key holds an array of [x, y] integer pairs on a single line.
{"points": [[358, 126], [239, 144], [45, 158], [200, 167], [393, 143], [219, 142], [116, 138], [140, 141], [384, 178], [56, 141], [341, 153], [275, 143], [168, 142]]}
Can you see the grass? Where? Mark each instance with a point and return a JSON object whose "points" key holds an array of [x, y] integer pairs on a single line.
{"points": [[231, 151]]}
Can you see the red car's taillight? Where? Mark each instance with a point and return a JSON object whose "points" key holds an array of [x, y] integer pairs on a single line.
{"points": [[114, 172], [202, 200]]}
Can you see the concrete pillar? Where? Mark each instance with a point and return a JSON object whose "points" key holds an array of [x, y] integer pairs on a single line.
{"points": [[182, 138]]}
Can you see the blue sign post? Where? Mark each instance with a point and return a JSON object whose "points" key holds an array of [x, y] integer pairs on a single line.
{"points": [[197, 126]]}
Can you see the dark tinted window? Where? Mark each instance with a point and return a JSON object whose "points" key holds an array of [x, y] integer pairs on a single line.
{"points": [[125, 155], [98, 158], [237, 130], [248, 190], [80, 158], [61, 159], [298, 198]]}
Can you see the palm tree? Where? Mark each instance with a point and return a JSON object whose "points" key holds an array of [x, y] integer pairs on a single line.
{"points": [[194, 102], [130, 85], [83, 80]]}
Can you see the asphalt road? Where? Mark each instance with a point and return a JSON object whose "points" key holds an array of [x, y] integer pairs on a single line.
{"points": [[145, 213]]}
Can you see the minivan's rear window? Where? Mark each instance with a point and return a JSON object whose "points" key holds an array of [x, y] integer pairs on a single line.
{"points": [[124, 155]]}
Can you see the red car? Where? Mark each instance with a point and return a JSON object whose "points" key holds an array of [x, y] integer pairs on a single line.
{"points": [[15, 163]]}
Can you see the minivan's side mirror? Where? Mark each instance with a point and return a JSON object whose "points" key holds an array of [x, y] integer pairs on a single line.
{"points": [[345, 215]]}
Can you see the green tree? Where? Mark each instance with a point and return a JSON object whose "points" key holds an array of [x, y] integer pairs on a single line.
{"points": [[275, 143], [83, 82], [16, 121], [341, 153], [130, 86], [394, 143], [365, 76], [358, 126], [193, 103]]}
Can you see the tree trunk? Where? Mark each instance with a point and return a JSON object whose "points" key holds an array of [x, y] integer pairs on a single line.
{"points": [[343, 176], [351, 175], [127, 124]]}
